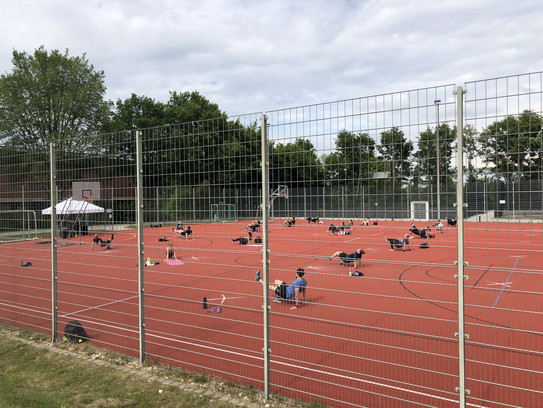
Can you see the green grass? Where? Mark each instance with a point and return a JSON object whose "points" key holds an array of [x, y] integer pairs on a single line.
{"points": [[37, 377], [36, 374]]}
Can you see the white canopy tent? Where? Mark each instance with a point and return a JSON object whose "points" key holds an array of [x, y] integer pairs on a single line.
{"points": [[70, 213], [73, 207]]}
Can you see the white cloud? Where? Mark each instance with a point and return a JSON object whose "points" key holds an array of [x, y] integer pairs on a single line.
{"points": [[250, 56]]}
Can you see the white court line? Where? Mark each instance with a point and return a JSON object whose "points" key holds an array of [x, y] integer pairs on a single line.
{"points": [[506, 284], [342, 376], [345, 377]]}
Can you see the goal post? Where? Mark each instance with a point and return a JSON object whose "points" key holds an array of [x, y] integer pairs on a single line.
{"points": [[420, 210], [17, 225], [223, 213]]}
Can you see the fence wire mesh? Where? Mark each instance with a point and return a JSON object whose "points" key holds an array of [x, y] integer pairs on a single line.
{"points": [[377, 174]]}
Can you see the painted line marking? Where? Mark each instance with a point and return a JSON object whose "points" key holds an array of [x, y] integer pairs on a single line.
{"points": [[223, 298], [505, 283], [481, 277], [341, 376]]}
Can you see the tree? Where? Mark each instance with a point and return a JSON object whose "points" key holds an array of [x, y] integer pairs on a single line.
{"points": [[353, 162], [137, 112], [396, 151], [52, 97], [295, 164], [514, 146], [426, 157]]}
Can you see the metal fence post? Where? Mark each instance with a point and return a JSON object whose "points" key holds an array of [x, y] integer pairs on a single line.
{"points": [[460, 217], [139, 217], [265, 254], [54, 294]]}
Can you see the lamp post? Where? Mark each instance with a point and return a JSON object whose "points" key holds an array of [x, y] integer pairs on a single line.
{"points": [[437, 102]]}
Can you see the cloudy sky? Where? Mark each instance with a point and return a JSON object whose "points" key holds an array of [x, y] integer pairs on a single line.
{"points": [[254, 55]]}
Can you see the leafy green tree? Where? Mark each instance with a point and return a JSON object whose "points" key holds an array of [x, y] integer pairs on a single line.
{"points": [[426, 156], [353, 162], [396, 153], [514, 146], [137, 112], [52, 97], [294, 163]]}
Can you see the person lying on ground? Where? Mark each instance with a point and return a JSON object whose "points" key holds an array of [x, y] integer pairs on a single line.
{"points": [[101, 243], [295, 291], [346, 226], [244, 240], [355, 258], [422, 233], [254, 226], [314, 220]]}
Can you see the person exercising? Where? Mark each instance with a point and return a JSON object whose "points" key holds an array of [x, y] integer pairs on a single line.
{"points": [[170, 252], [101, 243]]}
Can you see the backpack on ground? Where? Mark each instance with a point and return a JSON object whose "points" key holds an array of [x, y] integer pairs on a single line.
{"points": [[75, 332]]}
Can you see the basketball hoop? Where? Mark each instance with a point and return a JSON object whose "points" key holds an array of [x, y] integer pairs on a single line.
{"points": [[284, 196]]}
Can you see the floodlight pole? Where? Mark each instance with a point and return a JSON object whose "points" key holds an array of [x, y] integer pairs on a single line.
{"points": [[437, 102]]}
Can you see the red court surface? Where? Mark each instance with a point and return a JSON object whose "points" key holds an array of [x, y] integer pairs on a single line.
{"points": [[386, 339]]}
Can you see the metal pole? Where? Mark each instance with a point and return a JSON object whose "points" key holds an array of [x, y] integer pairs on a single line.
{"points": [[157, 205], [54, 294], [460, 214], [437, 102], [139, 218], [265, 254], [363, 205]]}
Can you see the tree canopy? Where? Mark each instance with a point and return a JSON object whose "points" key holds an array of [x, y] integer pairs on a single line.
{"points": [[514, 145], [52, 97]]}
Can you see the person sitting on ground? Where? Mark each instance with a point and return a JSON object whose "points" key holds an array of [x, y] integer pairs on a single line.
{"points": [[295, 291], [355, 258], [100, 242], [439, 226], [170, 251], [178, 227], [244, 240], [452, 222], [403, 244], [365, 222], [289, 223], [186, 232], [254, 226], [314, 220]]}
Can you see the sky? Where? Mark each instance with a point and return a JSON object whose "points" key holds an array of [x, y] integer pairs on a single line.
{"points": [[255, 56]]}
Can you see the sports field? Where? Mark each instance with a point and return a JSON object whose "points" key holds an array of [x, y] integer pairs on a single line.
{"points": [[373, 340]]}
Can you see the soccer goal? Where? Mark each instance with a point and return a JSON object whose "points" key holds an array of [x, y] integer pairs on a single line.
{"points": [[16, 225], [419, 210], [223, 213]]}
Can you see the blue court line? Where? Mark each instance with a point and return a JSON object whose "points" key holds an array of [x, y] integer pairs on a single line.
{"points": [[505, 283]]}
